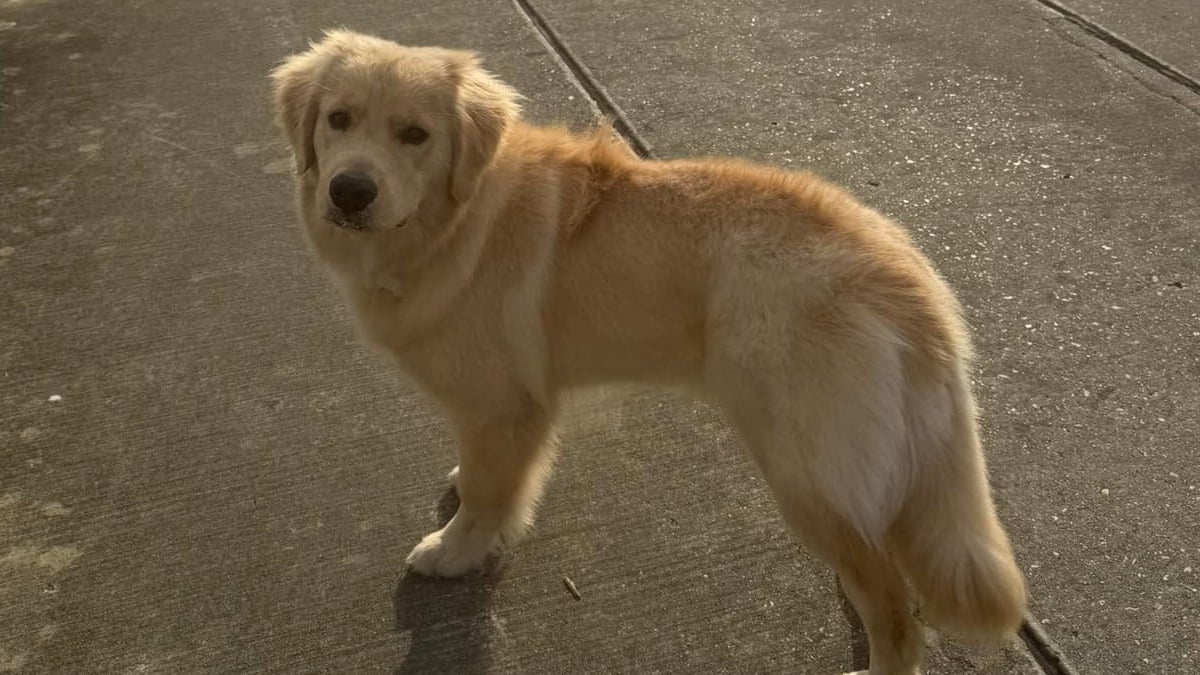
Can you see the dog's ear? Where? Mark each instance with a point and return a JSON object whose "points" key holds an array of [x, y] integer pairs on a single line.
{"points": [[485, 106], [297, 84]]}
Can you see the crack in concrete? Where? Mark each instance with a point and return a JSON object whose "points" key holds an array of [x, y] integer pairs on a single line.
{"points": [[1062, 27], [1047, 654], [1124, 46]]}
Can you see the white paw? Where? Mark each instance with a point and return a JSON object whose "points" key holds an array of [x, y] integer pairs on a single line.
{"points": [[453, 550], [452, 477]]}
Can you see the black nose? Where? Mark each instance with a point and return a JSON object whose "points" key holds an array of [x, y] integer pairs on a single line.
{"points": [[352, 192]]}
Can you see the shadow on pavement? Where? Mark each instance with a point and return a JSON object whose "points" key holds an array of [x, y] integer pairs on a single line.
{"points": [[449, 620], [860, 652]]}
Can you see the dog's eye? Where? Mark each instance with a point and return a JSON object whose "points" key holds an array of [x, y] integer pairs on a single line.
{"points": [[413, 135], [339, 119]]}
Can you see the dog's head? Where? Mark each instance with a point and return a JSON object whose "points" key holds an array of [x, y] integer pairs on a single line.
{"points": [[382, 132]]}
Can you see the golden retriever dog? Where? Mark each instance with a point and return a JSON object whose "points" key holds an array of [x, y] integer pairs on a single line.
{"points": [[503, 265]]}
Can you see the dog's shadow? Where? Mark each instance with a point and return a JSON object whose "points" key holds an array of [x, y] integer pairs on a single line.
{"points": [[451, 625], [860, 649], [449, 620]]}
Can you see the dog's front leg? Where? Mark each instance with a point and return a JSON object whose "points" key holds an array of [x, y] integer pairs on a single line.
{"points": [[503, 461]]}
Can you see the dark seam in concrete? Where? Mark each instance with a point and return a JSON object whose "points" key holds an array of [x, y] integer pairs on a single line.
{"points": [[1124, 46], [1146, 79], [582, 76], [1045, 652]]}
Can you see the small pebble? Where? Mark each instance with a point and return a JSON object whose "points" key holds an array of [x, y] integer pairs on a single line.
{"points": [[55, 398], [1104, 491]]}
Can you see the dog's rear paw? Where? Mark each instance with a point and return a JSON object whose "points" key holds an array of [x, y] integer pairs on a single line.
{"points": [[452, 478], [453, 551]]}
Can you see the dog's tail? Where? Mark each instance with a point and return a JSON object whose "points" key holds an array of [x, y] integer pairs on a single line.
{"points": [[946, 536]]}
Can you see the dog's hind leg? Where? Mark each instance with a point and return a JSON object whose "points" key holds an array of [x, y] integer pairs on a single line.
{"points": [[504, 459], [874, 585], [824, 422], [869, 577]]}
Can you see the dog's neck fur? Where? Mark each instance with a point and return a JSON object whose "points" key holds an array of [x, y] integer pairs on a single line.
{"points": [[421, 289]]}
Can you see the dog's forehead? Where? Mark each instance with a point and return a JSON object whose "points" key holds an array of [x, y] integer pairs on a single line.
{"points": [[418, 76]]}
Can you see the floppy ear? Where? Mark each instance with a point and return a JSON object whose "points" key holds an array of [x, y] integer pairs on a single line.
{"points": [[485, 107], [297, 89]]}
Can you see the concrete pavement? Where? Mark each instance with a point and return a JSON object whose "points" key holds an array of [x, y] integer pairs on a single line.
{"points": [[201, 471]]}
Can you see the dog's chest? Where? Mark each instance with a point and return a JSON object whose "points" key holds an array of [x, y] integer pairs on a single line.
{"points": [[450, 354]]}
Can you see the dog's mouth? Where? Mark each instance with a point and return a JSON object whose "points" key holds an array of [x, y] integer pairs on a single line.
{"points": [[356, 222]]}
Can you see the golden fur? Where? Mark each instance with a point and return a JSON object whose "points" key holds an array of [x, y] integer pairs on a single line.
{"points": [[502, 265]]}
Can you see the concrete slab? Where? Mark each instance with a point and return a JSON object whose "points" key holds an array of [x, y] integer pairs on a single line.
{"points": [[1055, 184]]}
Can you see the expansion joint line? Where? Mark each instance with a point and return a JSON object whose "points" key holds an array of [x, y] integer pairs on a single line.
{"points": [[582, 77], [1124, 46]]}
